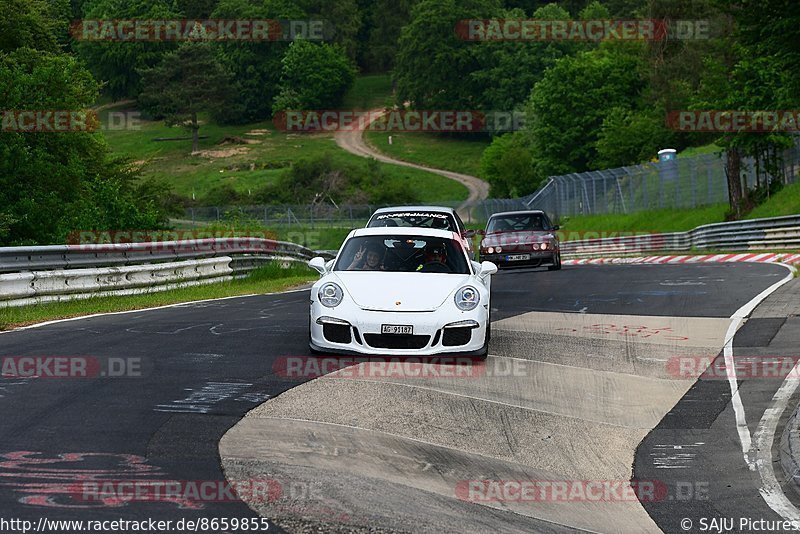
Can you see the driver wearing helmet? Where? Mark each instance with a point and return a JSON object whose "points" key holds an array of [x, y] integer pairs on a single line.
{"points": [[435, 258]]}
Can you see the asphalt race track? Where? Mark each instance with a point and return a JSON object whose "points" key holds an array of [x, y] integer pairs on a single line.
{"points": [[594, 399]]}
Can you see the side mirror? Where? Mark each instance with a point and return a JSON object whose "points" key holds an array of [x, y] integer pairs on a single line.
{"points": [[318, 264], [469, 234], [556, 227], [488, 269]]}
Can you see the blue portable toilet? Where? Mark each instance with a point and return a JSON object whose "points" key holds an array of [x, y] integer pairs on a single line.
{"points": [[668, 164], [667, 154]]}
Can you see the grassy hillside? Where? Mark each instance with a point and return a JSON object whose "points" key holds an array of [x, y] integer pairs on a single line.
{"points": [[457, 154], [784, 202], [258, 146]]}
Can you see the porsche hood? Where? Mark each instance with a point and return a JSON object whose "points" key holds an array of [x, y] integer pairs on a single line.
{"points": [[400, 292]]}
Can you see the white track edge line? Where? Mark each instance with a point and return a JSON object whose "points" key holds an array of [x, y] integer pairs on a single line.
{"points": [[762, 462]]}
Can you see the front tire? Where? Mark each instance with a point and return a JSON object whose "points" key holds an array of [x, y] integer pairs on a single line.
{"points": [[556, 263]]}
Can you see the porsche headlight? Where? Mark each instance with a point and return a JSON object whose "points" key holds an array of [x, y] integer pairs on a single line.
{"points": [[467, 298], [330, 295]]}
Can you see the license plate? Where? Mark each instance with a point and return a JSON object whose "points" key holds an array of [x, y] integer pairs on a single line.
{"points": [[518, 257], [396, 329]]}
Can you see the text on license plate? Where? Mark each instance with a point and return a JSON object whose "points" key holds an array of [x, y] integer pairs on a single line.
{"points": [[396, 329], [518, 257]]}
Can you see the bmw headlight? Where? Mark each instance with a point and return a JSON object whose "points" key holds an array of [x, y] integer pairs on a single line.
{"points": [[467, 298], [330, 295]]}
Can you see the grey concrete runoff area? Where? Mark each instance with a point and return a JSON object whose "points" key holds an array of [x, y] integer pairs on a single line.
{"points": [[564, 396]]}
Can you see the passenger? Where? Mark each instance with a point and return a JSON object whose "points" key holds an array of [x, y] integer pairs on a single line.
{"points": [[372, 261]]}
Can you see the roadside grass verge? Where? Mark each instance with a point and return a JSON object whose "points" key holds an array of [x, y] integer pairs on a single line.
{"points": [[257, 146], [457, 154], [268, 279], [647, 221]]}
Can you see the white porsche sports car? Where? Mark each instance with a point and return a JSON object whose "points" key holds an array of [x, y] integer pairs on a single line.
{"points": [[401, 291]]}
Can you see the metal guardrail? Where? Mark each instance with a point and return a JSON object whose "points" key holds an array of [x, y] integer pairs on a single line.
{"points": [[34, 275], [16, 259], [776, 233]]}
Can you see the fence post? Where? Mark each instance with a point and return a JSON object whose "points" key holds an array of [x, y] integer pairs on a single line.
{"points": [[710, 193]]}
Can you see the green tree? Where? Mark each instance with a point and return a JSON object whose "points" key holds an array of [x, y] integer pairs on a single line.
{"points": [[187, 82], [751, 69], [255, 66], [118, 63], [27, 23], [507, 71], [54, 183], [196, 9], [41, 173], [384, 20], [630, 136], [433, 64], [343, 19], [507, 164], [568, 106], [313, 76]]}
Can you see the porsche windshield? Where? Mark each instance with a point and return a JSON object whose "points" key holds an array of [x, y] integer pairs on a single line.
{"points": [[415, 219], [403, 254]]}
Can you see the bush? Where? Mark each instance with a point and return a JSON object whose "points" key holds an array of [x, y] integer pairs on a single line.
{"points": [[507, 164], [321, 179], [222, 195], [628, 137], [313, 76]]}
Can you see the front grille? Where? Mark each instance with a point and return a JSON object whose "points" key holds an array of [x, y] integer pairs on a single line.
{"points": [[454, 337], [436, 337], [336, 333], [396, 341]]}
